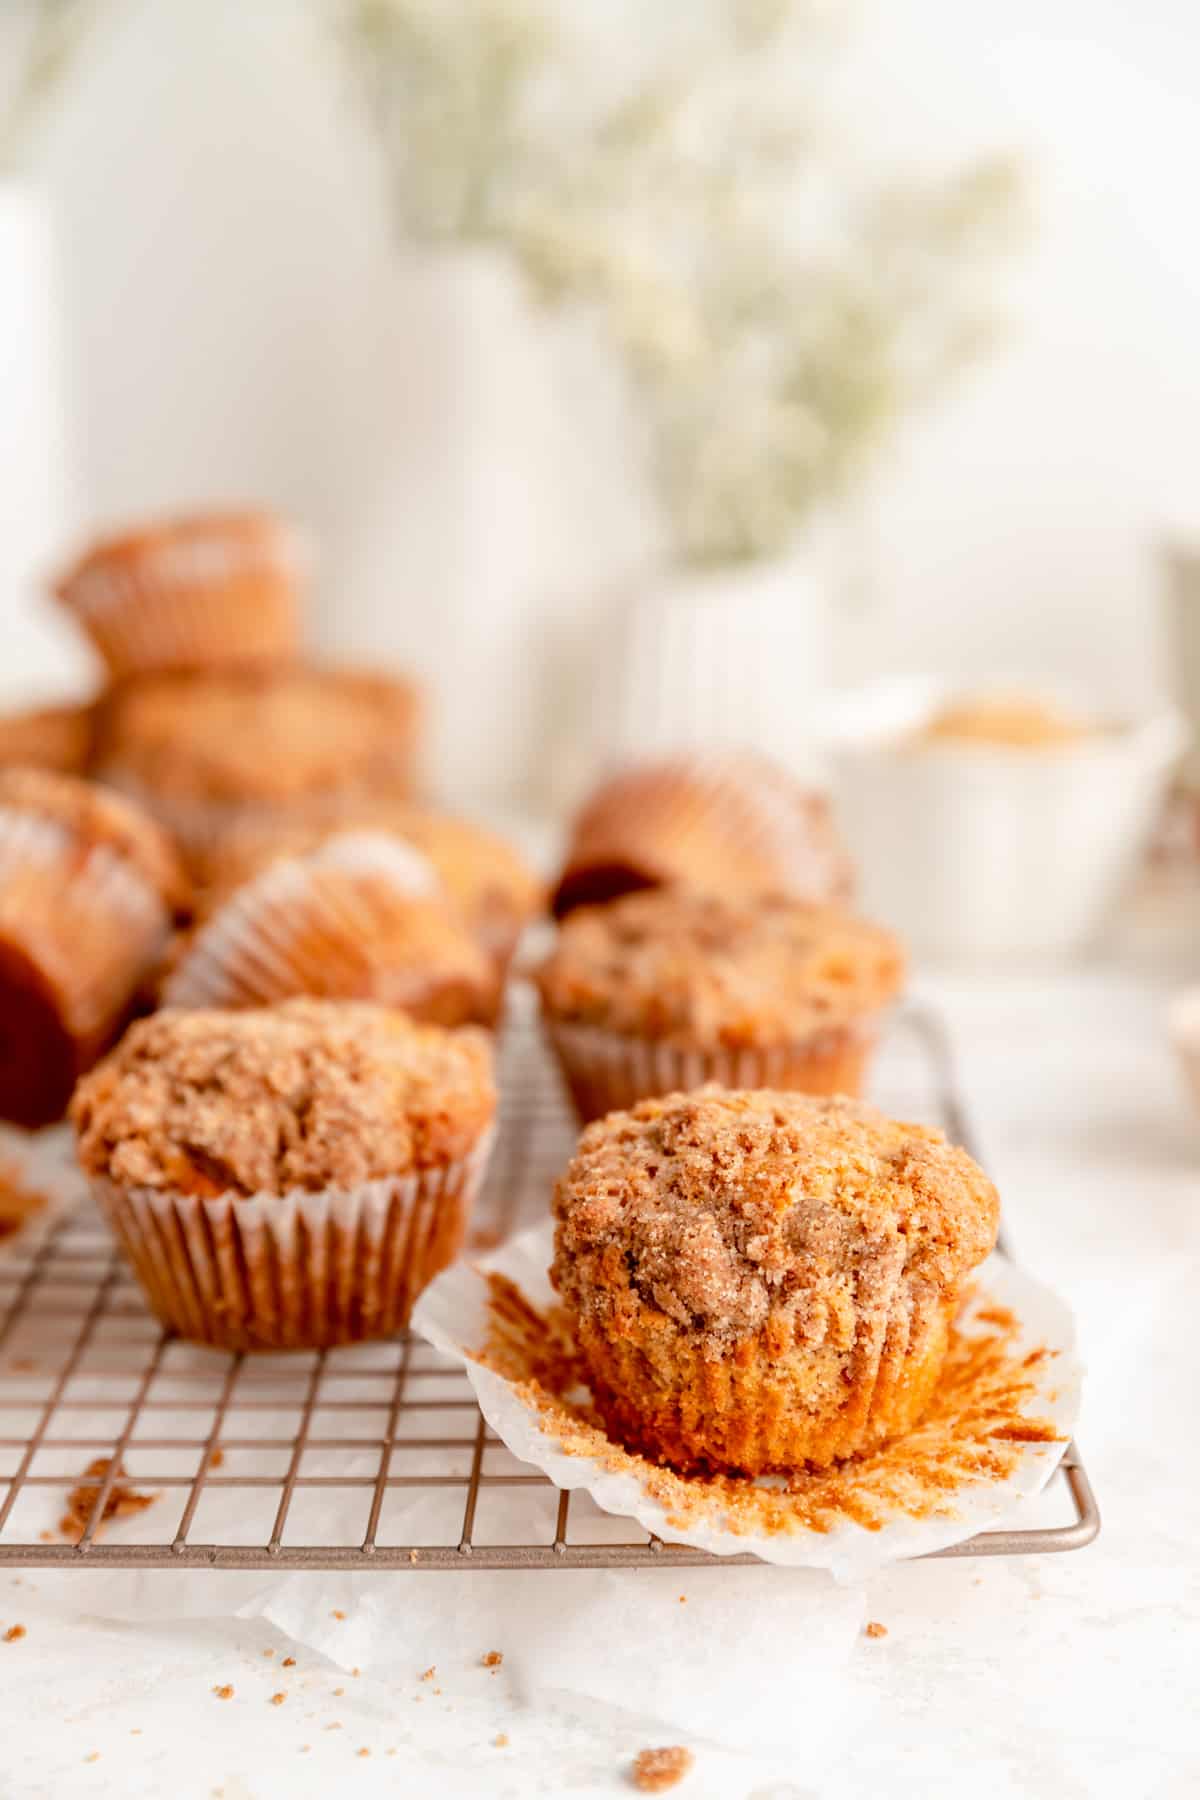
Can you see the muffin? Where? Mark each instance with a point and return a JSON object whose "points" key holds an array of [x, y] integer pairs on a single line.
{"points": [[48, 737], [88, 891], [668, 990], [190, 593], [731, 823], [362, 917], [493, 889], [207, 752], [765, 1281], [287, 1178]]}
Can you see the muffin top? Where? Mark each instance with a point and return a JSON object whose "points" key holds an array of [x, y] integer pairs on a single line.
{"points": [[310, 1095], [726, 1211], [48, 737], [199, 547], [722, 822], [275, 735], [695, 970], [97, 818]]}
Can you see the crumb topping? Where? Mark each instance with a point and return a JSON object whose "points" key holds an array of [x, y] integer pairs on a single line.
{"points": [[654, 1771], [309, 1095], [271, 735], [726, 1211], [98, 819], [697, 970]]}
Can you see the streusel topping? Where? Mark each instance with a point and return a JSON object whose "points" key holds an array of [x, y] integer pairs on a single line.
{"points": [[696, 970], [97, 818], [727, 1211], [312, 1094]]}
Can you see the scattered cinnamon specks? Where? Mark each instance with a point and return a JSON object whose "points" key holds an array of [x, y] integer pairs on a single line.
{"points": [[876, 1630], [120, 1502], [278, 1699], [224, 1691], [654, 1771], [289, 1662], [14, 1634], [493, 1659]]}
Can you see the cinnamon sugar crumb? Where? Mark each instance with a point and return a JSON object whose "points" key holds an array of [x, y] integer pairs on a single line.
{"points": [[224, 1692], [429, 1673], [364, 1751], [217, 1459], [121, 1502], [289, 1662], [337, 1614], [654, 1771], [493, 1659], [501, 1740], [875, 1630], [278, 1699], [14, 1634]]}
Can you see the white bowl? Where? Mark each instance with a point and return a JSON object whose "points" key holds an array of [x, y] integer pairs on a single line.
{"points": [[982, 851]]}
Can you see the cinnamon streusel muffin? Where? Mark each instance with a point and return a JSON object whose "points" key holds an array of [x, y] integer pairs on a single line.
{"points": [[190, 593], [761, 1281], [668, 990], [205, 752], [362, 917], [288, 1177], [721, 822], [89, 888]]}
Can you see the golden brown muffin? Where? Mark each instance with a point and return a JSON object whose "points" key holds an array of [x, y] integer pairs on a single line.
{"points": [[287, 1177], [88, 891], [205, 752], [763, 1281], [190, 593], [669, 989], [48, 737], [731, 823], [359, 918], [494, 890]]}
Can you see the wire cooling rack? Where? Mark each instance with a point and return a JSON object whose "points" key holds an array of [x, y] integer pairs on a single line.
{"points": [[370, 1456]]}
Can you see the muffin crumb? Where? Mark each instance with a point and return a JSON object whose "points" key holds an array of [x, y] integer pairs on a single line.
{"points": [[278, 1699], [493, 1659], [876, 1630], [501, 1740], [654, 1771], [224, 1691], [289, 1662], [14, 1634]]}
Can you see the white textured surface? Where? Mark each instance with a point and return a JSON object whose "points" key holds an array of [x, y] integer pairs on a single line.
{"points": [[1069, 1676]]}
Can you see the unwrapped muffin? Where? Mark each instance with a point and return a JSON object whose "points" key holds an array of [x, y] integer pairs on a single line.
{"points": [[190, 593], [208, 752], [764, 1281], [362, 917], [668, 990], [89, 888], [291, 1177], [725, 822]]}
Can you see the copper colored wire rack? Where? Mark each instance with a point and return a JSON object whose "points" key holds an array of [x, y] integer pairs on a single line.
{"points": [[372, 1456]]}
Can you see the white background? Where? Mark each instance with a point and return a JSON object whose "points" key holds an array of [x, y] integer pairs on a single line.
{"points": [[225, 255]]}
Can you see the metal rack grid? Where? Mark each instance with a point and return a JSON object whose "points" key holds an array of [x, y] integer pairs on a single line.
{"points": [[372, 1456]]}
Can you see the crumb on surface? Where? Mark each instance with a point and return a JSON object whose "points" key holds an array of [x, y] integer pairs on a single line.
{"points": [[501, 1740], [278, 1699], [654, 1771], [217, 1459], [338, 1692], [337, 1613], [875, 1630], [336, 1726], [14, 1634], [492, 1659], [289, 1662], [355, 1673], [268, 1652], [92, 1756], [430, 1672], [224, 1691], [364, 1751], [683, 1599]]}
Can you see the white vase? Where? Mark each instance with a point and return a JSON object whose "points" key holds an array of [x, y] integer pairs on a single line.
{"points": [[449, 512], [41, 653], [735, 657]]}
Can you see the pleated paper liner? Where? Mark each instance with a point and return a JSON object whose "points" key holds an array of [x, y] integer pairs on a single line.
{"points": [[349, 922], [196, 595], [77, 933], [298, 1270], [608, 1071], [996, 1426]]}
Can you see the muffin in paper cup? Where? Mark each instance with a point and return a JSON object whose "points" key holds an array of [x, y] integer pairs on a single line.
{"points": [[210, 751], [191, 593], [88, 891], [762, 1282], [664, 991], [241, 1161], [362, 917]]}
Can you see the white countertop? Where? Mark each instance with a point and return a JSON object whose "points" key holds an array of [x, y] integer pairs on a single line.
{"points": [[1066, 1676]]}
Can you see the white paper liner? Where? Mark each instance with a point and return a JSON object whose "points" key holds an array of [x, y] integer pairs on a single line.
{"points": [[297, 1270], [454, 1316]]}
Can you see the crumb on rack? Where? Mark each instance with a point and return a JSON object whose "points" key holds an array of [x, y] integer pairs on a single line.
{"points": [[876, 1630], [224, 1691], [18, 1203], [492, 1659], [121, 1502], [14, 1634], [278, 1699], [654, 1771]]}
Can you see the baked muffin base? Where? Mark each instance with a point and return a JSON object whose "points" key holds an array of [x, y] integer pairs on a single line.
{"points": [[294, 1271], [606, 1071]]}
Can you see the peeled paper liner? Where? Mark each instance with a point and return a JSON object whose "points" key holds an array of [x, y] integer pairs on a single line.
{"points": [[454, 1315]]}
